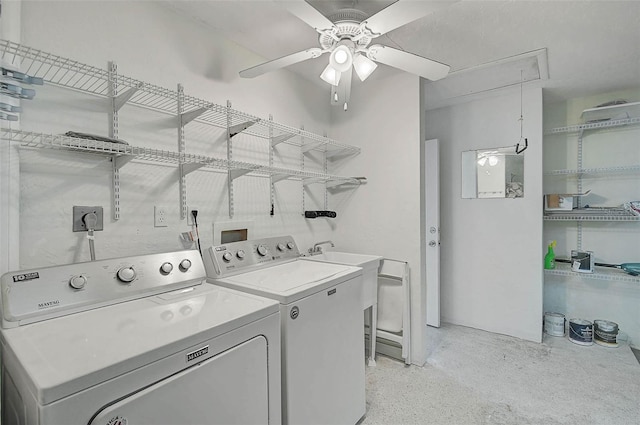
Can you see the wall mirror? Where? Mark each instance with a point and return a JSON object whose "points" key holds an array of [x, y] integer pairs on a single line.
{"points": [[493, 173]]}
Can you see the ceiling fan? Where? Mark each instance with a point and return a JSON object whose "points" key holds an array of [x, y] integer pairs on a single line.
{"points": [[347, 36]]}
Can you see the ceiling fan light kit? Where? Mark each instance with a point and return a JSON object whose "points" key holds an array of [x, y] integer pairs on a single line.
{"points": [[331, 75], [347, 37], [363, 66]]}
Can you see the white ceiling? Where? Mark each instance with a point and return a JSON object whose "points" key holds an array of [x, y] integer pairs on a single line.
{"points": [[592, 46]]}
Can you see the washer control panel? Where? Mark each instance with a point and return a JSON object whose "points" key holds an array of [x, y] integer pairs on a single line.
{"points": [[39, 294], [236, 257]]}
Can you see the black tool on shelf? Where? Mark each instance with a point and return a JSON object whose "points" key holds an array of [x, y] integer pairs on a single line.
{"points": [[316, 214]]}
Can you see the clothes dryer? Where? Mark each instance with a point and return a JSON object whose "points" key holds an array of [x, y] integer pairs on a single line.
{"points": [[136, 340], [323, 357]]}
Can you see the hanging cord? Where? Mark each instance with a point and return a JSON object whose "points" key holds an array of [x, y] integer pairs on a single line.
{"points": [[195, 222], [90, 221], [526, 143]]}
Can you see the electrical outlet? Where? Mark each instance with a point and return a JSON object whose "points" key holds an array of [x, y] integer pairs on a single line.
{"points": [[80, 212], [190, 221], [159, 216]]}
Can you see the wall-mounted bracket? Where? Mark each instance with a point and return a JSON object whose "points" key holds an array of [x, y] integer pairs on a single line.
{"points": [[347, 182], [120, 161], [189, 167], [120, 100], [187, 117], [308, 147], [234, 174], [282, 138], [312, 180], [341, 152], [275, 178], [239, 128]]}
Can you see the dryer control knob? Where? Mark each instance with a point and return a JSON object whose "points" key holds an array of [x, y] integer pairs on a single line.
{"points": [[185, 265], [290, 245], [262, 250], [78, 282], [126, 274], [280, 247], [227, 256], [240, 254], [166, 268]]}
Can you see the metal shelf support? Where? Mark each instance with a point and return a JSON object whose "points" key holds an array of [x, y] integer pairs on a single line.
{"points": [[187, 117], [239, 128], [113, 133], [120, 100]]}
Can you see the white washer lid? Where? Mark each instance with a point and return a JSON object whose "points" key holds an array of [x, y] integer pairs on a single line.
{"points": [[291, 281], [68, 354]]}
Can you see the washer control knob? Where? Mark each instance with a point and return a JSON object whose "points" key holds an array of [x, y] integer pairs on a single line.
{"points": [[227, 256], [290, 245], [280, 247], [78, 282], [166, 268], [262, 250], [240, 254], [185, 265], [126, 274]]}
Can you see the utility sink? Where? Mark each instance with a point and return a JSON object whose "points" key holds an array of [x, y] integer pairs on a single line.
{"points": [[369, 264], [347, 258]]}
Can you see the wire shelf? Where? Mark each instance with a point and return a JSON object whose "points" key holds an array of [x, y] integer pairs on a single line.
{"points": [[601, 170], [594, 125], [75, 75], [60, 142], [600, 273], [592, 214]]}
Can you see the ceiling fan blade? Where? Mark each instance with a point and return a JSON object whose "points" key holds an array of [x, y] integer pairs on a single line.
{"points": [[307, 13], [400, 13], [341, 93], [409, 62], [281, 62]]}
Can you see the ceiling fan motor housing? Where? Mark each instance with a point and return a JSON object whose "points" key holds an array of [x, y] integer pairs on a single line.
{"points": [[347, 27]]}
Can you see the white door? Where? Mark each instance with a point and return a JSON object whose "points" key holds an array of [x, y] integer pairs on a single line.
{"points": [[431, 208]]}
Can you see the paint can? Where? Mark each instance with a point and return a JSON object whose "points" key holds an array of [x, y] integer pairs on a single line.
{"points": [[581, 332], [605, 333], [554, 324]]}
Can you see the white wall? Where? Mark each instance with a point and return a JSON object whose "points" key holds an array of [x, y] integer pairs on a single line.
{"points": [[9, 163], [384, 215], [611, 242], [491, 270], [151, 43]]}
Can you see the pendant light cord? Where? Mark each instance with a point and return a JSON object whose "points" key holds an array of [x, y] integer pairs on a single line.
{"points": [[526, 143]]}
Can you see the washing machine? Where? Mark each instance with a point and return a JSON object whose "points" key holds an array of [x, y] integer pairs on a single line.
{"points": [[323, 359], [136, 340]]}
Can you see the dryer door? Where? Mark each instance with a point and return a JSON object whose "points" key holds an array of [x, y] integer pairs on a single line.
{"points": [[230, 388]]}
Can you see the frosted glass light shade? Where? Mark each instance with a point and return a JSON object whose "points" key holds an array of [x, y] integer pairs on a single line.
{"points": [[341, 58], [331, 75], [363, 66]]}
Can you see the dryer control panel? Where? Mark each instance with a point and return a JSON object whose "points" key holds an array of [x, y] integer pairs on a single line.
{"points": [[47, 292], [243, 256]]}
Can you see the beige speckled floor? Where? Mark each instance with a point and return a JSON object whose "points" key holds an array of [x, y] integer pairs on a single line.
{"points": [[476, 377]]}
